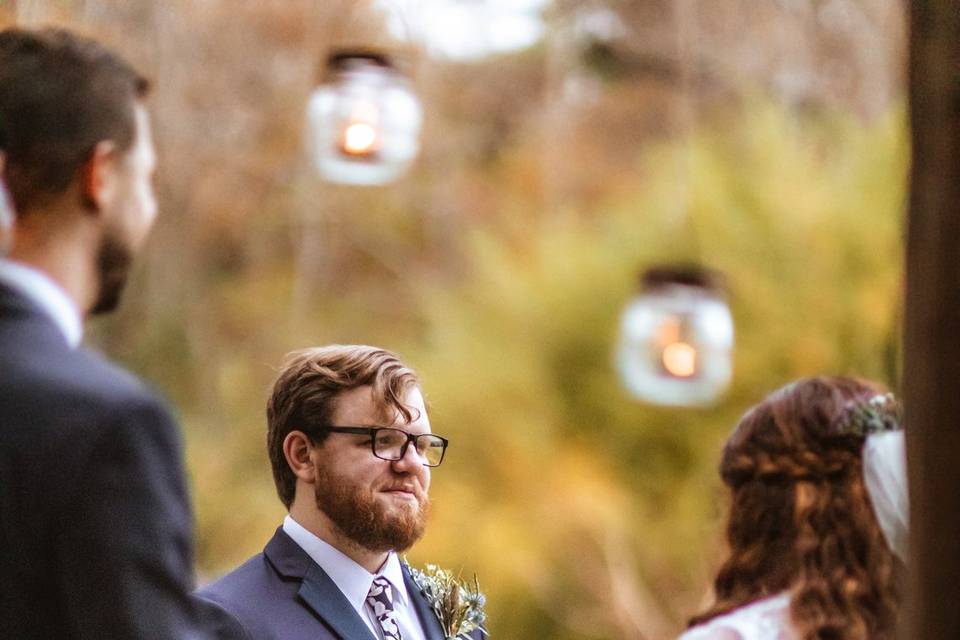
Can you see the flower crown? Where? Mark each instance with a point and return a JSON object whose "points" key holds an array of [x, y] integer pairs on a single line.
{"points": [[880, 413]]}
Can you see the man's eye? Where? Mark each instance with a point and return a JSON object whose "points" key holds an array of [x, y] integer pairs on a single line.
{"points": [[391, 440]]}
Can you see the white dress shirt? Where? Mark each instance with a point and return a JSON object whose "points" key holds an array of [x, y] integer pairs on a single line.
{"points": [[355, 581], [46, 294]]}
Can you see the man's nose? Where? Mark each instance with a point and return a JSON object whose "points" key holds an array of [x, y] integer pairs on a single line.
{"points": [[411, 462]]}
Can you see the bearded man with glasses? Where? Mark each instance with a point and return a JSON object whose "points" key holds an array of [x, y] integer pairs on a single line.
{"points": [[351, 448]]}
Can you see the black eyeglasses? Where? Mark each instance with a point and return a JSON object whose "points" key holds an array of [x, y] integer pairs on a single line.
{"points": [[388, 443]]}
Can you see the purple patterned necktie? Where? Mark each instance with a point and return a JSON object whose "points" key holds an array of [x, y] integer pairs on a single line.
{"points": [[380, 600]]}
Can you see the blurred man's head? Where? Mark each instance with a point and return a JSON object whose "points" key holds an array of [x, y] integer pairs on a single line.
{"points": [[76, 141], [350, 442]]}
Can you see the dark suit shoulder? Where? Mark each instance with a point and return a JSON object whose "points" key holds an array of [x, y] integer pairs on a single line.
{"points": [[246, 592], [265, 597], [244, 582], [73, 407], [36, 364], [81, 403], [34, 351], [87, 378], [218, 622]]}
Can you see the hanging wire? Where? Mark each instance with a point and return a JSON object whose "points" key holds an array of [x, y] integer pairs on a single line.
{"points": [[685, 19], [318, 229], [555, 63], [413, 36]]}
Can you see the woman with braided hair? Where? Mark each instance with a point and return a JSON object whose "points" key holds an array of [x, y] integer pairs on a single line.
{"points": [[818, 522]]}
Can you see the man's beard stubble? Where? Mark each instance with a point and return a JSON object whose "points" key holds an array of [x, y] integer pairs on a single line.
{"points": [[114, 259], [364, 520]]}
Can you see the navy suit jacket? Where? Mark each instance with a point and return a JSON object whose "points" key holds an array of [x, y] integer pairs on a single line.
{"points": [[95, 523], [282, 594]]}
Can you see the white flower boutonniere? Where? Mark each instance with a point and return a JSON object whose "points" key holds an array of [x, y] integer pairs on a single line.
{"points": [[458, 606]]}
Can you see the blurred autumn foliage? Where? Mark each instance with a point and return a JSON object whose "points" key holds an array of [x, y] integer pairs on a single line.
{"points": [[765, 139]]}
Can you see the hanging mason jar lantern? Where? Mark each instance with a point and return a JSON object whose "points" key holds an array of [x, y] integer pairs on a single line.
{"points": [[363, 120], [676, 338]]}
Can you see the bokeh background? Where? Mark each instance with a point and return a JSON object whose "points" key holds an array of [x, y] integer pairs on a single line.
{"points": [[567, 146]]}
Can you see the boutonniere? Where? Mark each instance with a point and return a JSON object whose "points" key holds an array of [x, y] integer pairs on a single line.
{"points": [[458, 605]]}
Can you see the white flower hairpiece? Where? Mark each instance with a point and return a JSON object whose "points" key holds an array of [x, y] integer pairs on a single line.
{"points": [[879, 421], [880, 413]]}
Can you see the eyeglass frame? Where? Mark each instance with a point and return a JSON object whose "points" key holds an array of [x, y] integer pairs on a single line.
{"points": [[372, 432]]}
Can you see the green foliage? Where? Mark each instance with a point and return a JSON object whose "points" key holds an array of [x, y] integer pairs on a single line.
{"points": [[803, 221], [558, 479], [584, 513]]}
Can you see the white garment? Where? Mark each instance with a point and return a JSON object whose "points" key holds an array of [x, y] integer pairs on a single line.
{"points": [[354, 581], [766, 619], [46, 294]]}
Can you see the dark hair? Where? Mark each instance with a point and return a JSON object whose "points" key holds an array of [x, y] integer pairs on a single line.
{"points": [[60, 95], [306, 391], [801, 519]]}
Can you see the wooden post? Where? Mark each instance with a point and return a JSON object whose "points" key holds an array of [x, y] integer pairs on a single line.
{"points": [[932, 332]]}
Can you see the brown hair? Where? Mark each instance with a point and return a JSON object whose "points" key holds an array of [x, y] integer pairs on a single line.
{"points": [[801, 519], [306, 391], [60, 95]]}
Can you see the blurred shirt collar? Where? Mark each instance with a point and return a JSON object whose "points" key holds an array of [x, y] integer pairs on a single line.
{"points": [[46, 294]]}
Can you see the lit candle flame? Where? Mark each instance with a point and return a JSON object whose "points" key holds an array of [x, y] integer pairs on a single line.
{"points": [[679, 359], [359, 138]]}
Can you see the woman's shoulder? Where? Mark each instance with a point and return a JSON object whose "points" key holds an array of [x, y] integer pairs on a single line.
{"points": [[766, 619]]}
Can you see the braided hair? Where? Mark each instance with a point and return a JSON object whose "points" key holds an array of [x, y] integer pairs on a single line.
{"points": [[801, 518]]}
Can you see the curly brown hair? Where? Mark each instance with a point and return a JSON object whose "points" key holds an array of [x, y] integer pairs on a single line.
{"points": [[801, 519]]}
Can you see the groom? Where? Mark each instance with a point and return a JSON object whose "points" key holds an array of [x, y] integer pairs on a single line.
{"points": [[350, 444]]}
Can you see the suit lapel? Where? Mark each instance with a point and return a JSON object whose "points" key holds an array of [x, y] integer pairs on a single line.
{"points": [[428, 618], [323, 596], [317, 590]]}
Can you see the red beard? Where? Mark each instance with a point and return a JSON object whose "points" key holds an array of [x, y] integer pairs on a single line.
{"points": [[364, 519]]}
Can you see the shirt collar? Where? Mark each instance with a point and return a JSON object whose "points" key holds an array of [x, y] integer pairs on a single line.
{"points": [[391, 571], [352, 579], [40, 289]]}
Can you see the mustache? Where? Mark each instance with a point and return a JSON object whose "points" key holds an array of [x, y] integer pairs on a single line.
{"points": [[409, 487]]}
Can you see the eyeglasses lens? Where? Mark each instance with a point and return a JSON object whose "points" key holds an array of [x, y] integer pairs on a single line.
{"points": [[389, 446], [430, 449]]}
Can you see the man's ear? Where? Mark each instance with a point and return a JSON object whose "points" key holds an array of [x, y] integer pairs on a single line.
{"points": [[296, 449], [98, 176]]}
